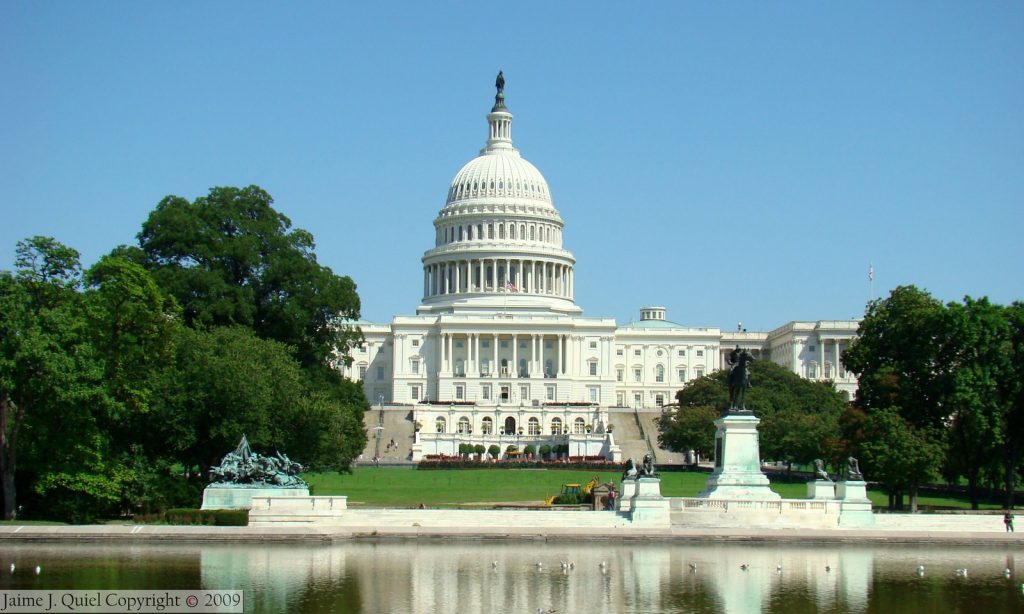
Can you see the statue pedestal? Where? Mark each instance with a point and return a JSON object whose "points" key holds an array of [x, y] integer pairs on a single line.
{"points": [[222, 497], [626, 492], [822, 490], [647, 506], [738, 472], [855, 507]]}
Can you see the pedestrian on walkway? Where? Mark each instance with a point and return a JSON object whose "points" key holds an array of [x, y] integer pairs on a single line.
{"points": [[1008, 521]]}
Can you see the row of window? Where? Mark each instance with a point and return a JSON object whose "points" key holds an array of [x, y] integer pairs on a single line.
{"points": [[485, 369], [638, 399], [468, 232], [478, 188], [639, 352], [659, 374], [533, 426]]}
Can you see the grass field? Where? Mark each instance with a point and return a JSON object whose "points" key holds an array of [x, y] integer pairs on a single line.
{"points": [[391, 487]]}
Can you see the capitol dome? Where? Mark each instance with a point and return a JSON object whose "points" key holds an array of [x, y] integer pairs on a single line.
{"points": [[499, 176], [498, 237]]}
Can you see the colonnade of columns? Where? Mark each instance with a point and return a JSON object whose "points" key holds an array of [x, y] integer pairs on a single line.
{"points": [[480, 361], [494, 275], [833, 358]]}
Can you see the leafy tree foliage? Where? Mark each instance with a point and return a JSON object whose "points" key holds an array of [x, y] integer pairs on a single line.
{"points": [[48, 371], [898, 454], [951, 374], [689, 428], [977, 335], [230, 258], [222, 323], [799, 417]]}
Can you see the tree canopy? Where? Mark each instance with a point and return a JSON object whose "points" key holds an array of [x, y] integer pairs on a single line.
{"points": [[943, 380], [799, 418], [230, 258], [122, 385]]}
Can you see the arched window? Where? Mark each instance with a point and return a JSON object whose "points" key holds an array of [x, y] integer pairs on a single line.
{"points": [[487, 425], [534, 426], [522, 231], [464, 425], [556, 426], [579, 426], [440, 424], [659, 373], [501, 231], [511, 231]]}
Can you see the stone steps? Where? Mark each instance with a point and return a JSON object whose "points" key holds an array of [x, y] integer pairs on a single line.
{"points": [[396, 425]]}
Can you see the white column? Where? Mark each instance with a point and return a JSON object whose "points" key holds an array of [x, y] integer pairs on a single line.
{"points": [[558, 367], [515, 356], [495, 369]]}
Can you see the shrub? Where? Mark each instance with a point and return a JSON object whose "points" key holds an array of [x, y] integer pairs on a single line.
{"points": [[570, 499], [494, 451], [479, 449], [218, 518], [545, 450], [529, 449]]}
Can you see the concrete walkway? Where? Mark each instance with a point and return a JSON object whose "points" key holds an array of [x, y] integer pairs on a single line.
{"points": [[166, 533]]}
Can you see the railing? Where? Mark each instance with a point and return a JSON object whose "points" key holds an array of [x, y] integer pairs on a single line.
{"points": [[691, 504]]}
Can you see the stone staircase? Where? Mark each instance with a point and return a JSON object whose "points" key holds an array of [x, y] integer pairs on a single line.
{"points": [[637, 434], [396, 423]]}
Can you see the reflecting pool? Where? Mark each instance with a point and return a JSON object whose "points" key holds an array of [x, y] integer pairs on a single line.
{"points": [[501, 576]]}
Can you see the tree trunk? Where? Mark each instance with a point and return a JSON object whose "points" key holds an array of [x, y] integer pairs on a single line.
{"points": [[1010, 475], [892, 500], [913, 498], [972, 488], [7, 441]]}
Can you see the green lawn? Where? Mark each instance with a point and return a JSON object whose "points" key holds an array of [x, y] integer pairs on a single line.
{"points": [[391, 487]]}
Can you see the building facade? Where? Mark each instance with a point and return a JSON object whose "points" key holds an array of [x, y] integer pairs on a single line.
{"points": [[499, 352]]}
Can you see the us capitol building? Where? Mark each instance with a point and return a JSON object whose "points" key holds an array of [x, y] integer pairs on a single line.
{"points": [[499, 349]]}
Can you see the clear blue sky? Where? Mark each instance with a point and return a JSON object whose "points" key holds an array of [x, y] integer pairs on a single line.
{"points": [[730, 161]]}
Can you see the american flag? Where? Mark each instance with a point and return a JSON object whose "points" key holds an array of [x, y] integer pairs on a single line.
{"points": [[871, 272], [511, 287]]}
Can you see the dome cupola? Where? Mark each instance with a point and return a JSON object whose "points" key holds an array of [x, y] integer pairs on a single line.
{"points": [[498, 238]]}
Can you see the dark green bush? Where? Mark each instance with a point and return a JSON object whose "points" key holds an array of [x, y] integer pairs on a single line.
{"points": [[545, 450], [479, 448], [529, 449], [217, 518], [493, 451]]}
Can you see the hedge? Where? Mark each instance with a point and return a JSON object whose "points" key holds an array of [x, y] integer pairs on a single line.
{"points": [[457, 463], [218, 518]]}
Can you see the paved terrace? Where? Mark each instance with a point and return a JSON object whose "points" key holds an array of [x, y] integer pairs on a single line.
{"points": [[362, 523]]}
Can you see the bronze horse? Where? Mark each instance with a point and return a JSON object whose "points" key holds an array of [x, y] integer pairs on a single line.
{"points": [[739, 378]]}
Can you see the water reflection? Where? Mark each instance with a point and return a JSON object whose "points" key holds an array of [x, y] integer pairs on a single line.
{"points": [[427, 576]]}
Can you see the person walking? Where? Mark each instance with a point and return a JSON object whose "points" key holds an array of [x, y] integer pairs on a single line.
{"points": [[1008, 521]]}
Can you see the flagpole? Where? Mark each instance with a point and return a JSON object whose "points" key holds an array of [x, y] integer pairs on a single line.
{"points": [[871, 282]]}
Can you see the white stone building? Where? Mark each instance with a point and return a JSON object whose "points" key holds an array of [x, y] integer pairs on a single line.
{"points": [[498, 351]]}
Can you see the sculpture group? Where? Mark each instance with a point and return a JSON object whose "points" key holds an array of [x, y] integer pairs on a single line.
{"points": [[244, 467]]}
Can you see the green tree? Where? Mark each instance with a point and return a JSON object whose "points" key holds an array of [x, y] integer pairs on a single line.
{"points": [[49, 373], [979, 354], [783, 401], [688, 428], [1012, 390], [898, 454], [230, 258], [902, 359], [898, 357]]}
